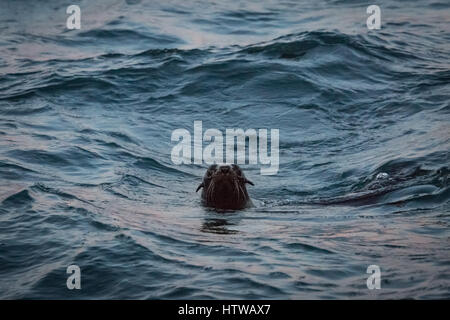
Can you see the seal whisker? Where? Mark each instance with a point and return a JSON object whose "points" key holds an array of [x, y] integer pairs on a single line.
{"points": [[210, 191]]}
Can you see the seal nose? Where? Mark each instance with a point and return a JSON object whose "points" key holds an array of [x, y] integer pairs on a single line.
{"points": [[224, 169]]}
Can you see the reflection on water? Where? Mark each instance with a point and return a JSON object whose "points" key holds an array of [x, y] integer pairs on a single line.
{"points": [[220, 226]]}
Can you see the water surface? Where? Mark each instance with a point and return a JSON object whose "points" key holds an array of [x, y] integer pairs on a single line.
{"points": [[86, 177]]}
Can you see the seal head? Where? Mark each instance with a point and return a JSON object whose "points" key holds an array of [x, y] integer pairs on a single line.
{"points": [[224, 187]]}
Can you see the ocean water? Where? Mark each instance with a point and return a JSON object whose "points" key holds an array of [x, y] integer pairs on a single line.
{"points": [[86, 176]]}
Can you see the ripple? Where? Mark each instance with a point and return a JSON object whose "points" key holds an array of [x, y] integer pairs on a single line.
{"points": [[86, 176]]}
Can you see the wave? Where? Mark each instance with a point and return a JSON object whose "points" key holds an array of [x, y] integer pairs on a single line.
{"points": [[295, 46], [86, 176], [18, 199], [396, 182], [128, 36]]}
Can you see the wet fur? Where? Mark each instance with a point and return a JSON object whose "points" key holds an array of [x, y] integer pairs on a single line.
{"points": [[224, 187]]}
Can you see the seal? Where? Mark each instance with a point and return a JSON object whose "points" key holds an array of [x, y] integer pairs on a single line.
{"points": [[224, 187]]}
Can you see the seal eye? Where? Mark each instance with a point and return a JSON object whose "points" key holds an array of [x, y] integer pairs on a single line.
{"points": [[237, 170]]}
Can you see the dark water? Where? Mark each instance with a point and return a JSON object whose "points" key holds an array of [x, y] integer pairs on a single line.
{"points": [[86, 177]]}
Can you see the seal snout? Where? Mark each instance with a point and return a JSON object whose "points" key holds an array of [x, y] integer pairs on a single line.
{"points": [[225, 169]]}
